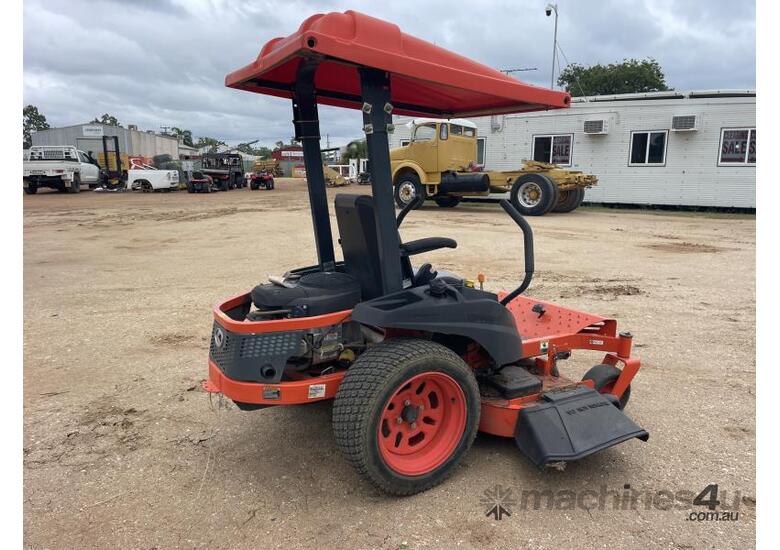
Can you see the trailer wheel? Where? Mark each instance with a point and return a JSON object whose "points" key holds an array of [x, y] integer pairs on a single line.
{"points": [[533, 194], [447, 202], [407, 189], [569, 200], [603, 378], [75, 185], [405, 414]]}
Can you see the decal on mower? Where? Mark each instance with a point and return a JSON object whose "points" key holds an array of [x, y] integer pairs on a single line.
{"points": [[597, 342], [316, 391], [271, 393], [219, 337]]}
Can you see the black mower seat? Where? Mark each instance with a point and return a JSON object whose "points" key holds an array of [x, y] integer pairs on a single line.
{"points": [[315, 294]]}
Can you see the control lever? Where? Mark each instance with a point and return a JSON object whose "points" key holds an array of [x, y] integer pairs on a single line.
{"points": [[528, 249], [406, 209]]}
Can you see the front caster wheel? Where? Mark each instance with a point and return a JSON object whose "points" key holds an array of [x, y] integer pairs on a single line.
{"points": [[604, 378], [405, 414]]}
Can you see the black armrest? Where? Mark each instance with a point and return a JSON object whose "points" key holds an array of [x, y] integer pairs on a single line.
{"points": [[426, 245]]}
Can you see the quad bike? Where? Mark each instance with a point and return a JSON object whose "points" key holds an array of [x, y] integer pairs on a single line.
{"points": [[262, 180], [416, 361]]}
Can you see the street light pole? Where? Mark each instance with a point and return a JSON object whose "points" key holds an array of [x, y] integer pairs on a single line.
{"points": [[548, 10]]}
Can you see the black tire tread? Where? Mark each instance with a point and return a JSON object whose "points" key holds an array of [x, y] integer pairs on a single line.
{"points": [[571, 202]]}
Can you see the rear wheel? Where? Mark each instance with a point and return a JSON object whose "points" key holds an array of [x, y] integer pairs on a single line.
{"points": [[604, 378], [447, 202], [75, 185], [31, 189], [569, 200], [534, 194], [407, 189], [190, 188], [405, 414]]}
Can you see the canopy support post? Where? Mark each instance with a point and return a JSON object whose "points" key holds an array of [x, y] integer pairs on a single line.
{"points": [[307, 131], [377, 120]]}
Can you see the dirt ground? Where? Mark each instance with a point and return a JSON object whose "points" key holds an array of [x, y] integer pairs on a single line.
{"points": [[123, 449]]}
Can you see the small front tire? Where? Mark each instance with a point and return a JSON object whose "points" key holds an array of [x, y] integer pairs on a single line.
{"points": [[604, 378]]}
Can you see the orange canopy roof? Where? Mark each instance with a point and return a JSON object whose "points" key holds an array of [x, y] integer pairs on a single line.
{"points": [[424, 79]]}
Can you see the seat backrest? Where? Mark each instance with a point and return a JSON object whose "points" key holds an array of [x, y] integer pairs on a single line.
{"points": [[359, 242]]}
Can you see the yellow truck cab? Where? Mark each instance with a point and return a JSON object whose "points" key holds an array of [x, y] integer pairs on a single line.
{"points": [[439, 163]]}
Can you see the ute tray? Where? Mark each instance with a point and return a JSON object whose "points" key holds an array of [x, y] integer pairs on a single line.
{"points": [[572, 424]]}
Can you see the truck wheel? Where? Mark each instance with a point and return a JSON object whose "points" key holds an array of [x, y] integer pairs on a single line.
{"points": [[31, 189], [603, 378], [408, 189], [569, 200], [75, 185], [447, 202], [190, 188], [405, 414], [533, 194]]}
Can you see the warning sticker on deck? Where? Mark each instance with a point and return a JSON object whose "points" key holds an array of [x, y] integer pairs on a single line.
{"points": [[316, 391]]}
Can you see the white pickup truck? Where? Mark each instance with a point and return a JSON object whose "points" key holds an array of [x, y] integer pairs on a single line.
{"points": [[64, 168], [142, 177]]}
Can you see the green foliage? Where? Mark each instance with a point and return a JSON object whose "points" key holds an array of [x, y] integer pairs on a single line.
{"points": [[32, 119], [211, 143], [262, 152], [108, 120], [185, 135], [629, 76], [355, 150]]}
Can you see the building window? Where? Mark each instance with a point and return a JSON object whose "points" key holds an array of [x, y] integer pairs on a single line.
{"points": [[737, 146], [648, 148], [555, 149], [404, 142], [481, 142]]}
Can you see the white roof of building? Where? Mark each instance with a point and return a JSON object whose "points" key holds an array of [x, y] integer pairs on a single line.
{"points": [[458, 121], [672, 94]]}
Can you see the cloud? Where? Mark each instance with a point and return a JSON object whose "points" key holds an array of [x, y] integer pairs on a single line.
{"points": [[155, 63]]}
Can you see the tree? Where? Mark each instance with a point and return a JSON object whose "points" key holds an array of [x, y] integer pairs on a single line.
{"points": [[32, 120], [357, 149], [108, 120], [211, 143], [185, 135], [629, 76]]}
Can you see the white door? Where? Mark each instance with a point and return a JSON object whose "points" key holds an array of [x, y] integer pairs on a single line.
{"points": [[89, 172]]}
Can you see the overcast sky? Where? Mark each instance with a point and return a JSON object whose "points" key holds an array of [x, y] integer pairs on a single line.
{"points": [[155, 63]]}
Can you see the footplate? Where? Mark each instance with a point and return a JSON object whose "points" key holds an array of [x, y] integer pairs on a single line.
{"points": [[568, 425]]}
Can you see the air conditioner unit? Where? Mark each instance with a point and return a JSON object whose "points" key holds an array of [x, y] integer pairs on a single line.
{"points": [[684, 123], [595, 127]]}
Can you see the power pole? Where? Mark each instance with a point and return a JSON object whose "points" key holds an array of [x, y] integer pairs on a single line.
{"points": [[548, 10]]}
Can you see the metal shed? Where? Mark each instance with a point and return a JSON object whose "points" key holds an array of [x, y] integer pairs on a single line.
{"points": [[89, 137]]}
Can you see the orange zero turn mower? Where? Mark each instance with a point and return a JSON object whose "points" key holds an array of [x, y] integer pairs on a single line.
{"points": [[416, 360]]}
